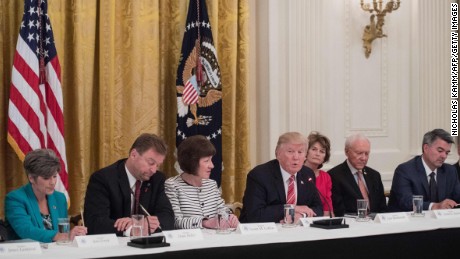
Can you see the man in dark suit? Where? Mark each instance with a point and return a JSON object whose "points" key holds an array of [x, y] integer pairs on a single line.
{"points": [[346, 177], [110, 202], [267, 185], [427, 175]]}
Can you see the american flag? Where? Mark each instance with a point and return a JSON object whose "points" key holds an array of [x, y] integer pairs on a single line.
{"points": [[35, 113], [198, 85], [190, 94]]}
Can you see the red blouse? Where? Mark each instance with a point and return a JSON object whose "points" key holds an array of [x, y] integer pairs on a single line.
{"points": [[324, 185]]}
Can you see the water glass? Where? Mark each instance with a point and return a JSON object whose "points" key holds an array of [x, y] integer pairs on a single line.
{"points": [[417, 203], [223, 222], [137, 226], [64, 227], [289, 216], [363, 206]]}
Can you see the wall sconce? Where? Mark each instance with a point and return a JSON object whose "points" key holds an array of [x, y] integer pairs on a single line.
{"points": [[374, 29]]}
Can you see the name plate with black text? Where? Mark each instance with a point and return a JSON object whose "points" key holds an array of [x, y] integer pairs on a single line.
{"points": [[257, 228], [391, 217], [181, 235], [97, 240], [20, 247], [447, 214]]}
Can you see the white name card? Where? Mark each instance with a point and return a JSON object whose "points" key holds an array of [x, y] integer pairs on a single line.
{"points": [[257, 228], [447, 214], [180, 235], [391, 217], [20, 248], [96, 240]]}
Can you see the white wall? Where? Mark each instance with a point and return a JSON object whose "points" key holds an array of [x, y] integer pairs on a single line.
{"points": [[309, 73]]}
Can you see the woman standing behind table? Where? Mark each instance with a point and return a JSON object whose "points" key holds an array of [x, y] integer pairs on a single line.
{"points": [[318, 153], [194, 197], [33, 209]]}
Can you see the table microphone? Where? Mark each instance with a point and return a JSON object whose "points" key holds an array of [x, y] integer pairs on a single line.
{"points": [[329, 223]]}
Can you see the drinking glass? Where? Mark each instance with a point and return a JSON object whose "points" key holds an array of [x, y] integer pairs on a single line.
{"points": [[137, 226], [362, 205], [64, 227], [417, 203], [223, 223], [289, 216]]}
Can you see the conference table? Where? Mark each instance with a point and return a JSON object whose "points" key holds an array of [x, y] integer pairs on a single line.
{"points": [[421, 237]]}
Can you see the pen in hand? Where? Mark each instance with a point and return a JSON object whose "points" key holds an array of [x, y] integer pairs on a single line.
{"points": [[82, 219], [145, 211]]}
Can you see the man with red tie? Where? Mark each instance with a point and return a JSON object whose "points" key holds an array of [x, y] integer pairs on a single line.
{"points": [[284, 180], [130, 186]]}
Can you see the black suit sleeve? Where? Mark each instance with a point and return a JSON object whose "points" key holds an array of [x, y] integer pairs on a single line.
{"points": [[160, 205], [259, 206], [377, 194], [337, 199], [97, 212]]}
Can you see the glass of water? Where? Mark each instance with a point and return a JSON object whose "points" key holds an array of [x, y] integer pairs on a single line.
{"points": [[138, 225], [64, 227], [417, 203], [289, 216], [223, 221], [363, 206]]}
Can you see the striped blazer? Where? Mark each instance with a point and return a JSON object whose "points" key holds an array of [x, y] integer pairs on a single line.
{"points": [[192, 204]]}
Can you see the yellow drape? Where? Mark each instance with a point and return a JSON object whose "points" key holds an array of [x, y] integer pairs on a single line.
{"points": [[119, 60]]}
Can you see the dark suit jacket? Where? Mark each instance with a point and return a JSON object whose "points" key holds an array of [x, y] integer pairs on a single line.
{"points": [[457, 167], [345, 190], [410, 179], [108, 198], [265, 195]]}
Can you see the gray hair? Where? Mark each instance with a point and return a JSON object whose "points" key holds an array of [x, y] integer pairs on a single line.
{"points": [[433, 135], [42, 162], [354, 137]]}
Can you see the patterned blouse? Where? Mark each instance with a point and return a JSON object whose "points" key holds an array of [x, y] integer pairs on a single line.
{"points": [[192, 204], [47, 222]]}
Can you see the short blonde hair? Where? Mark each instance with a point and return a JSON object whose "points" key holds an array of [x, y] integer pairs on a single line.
{"points": [[291, 138]]}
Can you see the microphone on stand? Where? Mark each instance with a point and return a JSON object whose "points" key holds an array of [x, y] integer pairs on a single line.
{"points": [[330, 223], [151, 241]]}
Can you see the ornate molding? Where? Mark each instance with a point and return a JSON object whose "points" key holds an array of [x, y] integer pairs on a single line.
{"points": [[382, 131]]}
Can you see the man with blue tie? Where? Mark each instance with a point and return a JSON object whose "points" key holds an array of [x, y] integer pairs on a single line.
{"points": [[427, 175], [284, 180]]}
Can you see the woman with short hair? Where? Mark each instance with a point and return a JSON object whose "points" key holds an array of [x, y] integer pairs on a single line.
{"points": [[33, 209], [194, 197]]}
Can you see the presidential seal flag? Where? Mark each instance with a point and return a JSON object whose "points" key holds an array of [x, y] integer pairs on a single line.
{"points": [[198, 85], [35, 108]]}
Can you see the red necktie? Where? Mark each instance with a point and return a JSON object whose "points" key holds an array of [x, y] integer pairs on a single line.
{"points": [[137, 194], [362, 187], [291, 191]]}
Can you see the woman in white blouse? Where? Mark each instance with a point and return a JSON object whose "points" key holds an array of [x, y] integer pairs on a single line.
{"points": [[194, 197]]}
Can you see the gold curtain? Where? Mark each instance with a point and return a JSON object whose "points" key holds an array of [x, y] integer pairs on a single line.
{"points": [[119, 60]]}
